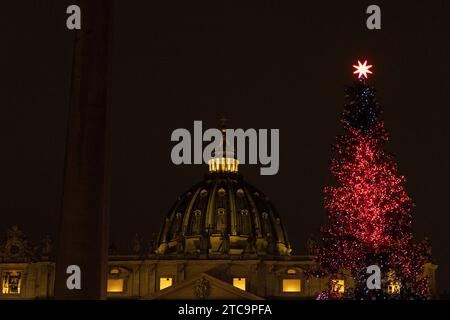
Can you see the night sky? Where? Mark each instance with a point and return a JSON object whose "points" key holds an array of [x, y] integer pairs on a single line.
{"points": [[261, 64]]}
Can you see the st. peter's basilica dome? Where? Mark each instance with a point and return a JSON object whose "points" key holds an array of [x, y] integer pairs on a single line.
{"points": [[223, 215]]}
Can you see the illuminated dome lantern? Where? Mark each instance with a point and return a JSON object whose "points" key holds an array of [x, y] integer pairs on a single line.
{"points": [[223, 216], [224, 161]]}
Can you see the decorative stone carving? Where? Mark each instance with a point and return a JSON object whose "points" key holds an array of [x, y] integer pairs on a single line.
{"points": [[153, 242], [180, 247], [162, 248], [261, 246], [283, 250], [250, 248], [202, 288], [16, 247], [46, 246], [311, 247], [136, 244], [218, 244]]}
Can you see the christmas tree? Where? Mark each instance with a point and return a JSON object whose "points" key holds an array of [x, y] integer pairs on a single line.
{"points": [[368, 208]]}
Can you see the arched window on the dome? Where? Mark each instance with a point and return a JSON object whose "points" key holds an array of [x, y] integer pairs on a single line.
{"points": [[176, 224], [267, 226], [245, 222], [221, 199], [195, 229], [221, 220]]}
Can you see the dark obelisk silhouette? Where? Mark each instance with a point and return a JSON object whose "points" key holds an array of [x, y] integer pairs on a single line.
{"points": [[83, 234]]}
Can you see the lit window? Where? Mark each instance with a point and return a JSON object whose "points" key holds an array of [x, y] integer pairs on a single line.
{"points": [[11, 282], [292, 271], [338, 285], [239, 283], [115, 285], [291, 285], [393, 287], [114, 271], [165, 283], [393, 284]]}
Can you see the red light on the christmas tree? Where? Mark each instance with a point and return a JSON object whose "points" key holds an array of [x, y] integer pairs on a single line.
{"points": [[368, 208], [362, 69]]}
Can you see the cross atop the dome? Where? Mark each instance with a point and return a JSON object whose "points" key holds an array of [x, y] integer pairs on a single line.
{"points": [[362, 69]]}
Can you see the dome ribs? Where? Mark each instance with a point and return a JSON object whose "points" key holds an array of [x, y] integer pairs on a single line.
{"points": [[223, 216]]}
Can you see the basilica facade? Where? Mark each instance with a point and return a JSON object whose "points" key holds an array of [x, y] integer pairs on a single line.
{"points": [[222, 239]]}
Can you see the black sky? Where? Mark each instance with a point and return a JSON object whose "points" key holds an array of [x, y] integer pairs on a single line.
{"points": [[262, 64]]}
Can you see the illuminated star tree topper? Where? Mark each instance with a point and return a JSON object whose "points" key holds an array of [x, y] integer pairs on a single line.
{"points": [[362, 69]]}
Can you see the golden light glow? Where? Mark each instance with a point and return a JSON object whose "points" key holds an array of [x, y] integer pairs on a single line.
{"points": [[223, 165], [114, 271], [11, 282], [165, 283], [393, 287], [393, 284], [115, 285], [362, 69], [291, 285], [338, 285], [239, 283], [292, 271]]}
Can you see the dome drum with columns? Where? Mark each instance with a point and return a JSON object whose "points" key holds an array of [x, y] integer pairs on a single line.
{"points": [[223, 215]]}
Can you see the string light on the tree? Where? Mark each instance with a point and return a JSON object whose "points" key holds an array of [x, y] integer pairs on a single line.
{"points": [[362, 69], [369, 211]]}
